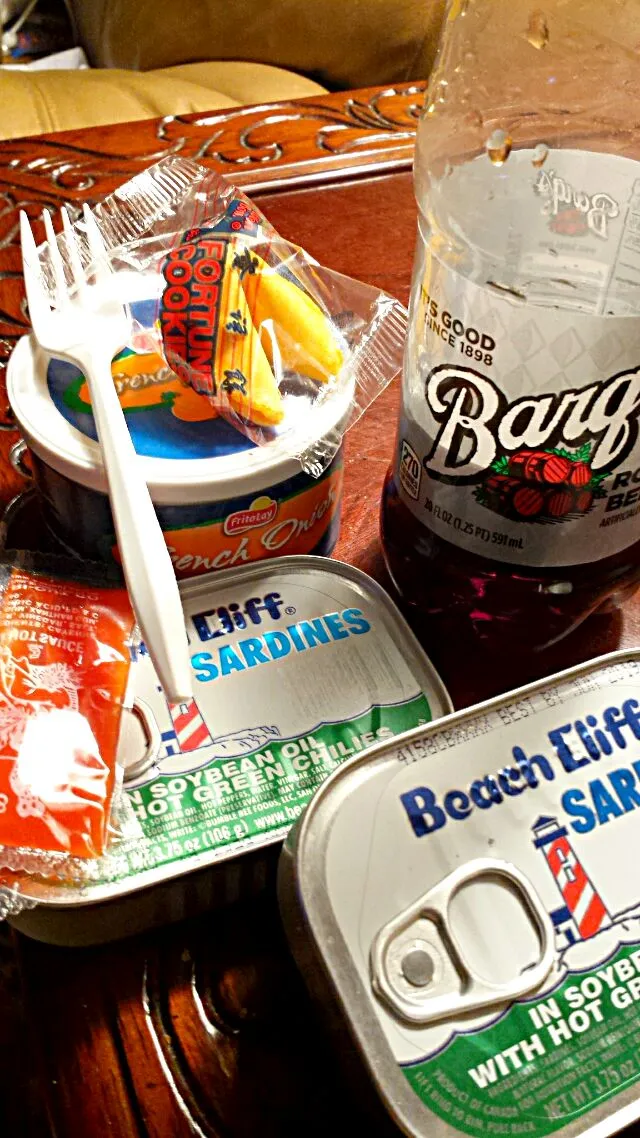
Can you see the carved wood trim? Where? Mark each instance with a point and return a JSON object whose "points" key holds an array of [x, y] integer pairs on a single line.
{"points": [[257, 146], [261, 148]]}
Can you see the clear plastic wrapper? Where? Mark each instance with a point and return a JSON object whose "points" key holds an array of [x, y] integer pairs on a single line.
{"points": [[64, 663], [282, 348]]}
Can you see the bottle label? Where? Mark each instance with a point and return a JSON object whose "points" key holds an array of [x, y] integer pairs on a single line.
{"points": [[519, 434]]}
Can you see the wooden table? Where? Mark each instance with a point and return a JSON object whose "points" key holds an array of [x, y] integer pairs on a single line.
{"points": [[205, 1028]]}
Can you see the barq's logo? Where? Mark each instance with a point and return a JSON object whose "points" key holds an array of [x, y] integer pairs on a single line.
{"points": [[261, 512], [474, 420], [596, 209]]}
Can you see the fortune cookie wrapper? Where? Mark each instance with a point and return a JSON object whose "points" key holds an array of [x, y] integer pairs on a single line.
{"points": [[251, 327], [232, 325]]}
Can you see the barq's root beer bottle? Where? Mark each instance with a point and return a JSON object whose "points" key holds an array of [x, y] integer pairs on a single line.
{"points": [[513, 508]]}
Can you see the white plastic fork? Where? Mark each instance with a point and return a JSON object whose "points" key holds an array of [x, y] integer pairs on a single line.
{"points": [[88, 328]]}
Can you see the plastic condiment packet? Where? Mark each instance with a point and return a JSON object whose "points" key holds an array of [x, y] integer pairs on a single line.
{"points": [[64, 663], [286, 350]]}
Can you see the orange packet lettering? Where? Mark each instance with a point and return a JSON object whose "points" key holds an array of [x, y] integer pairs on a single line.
{"points": [[64, 663]]}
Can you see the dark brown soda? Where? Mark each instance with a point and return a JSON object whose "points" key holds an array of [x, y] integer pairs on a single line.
{"points": [[474, 613]]}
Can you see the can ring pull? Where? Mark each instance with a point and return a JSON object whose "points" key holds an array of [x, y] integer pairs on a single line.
{"points": [[418, 967], [152, 741]]}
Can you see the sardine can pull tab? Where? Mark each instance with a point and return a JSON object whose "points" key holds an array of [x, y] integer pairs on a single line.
{"points": [[418, 967]]}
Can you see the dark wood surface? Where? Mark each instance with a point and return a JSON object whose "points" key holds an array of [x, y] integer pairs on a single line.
{"points": [[204, 1028]]}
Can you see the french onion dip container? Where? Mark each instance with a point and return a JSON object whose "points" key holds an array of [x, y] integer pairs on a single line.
{"points": [[221, 500], [464, 900], [298, 664]]}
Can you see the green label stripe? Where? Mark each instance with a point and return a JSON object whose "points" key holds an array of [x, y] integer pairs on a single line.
{"points": [[232, 800], [547, 1061]]}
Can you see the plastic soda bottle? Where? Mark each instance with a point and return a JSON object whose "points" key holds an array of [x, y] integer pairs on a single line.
{"points": [[512, 510]]}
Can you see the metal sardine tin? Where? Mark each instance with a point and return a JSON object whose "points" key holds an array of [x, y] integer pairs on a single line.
{"points": [[470, 892]]}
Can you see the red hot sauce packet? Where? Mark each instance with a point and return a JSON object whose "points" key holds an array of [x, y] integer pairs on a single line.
{"points": [[64, 663]]}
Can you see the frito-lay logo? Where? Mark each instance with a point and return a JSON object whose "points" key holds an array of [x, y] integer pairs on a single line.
{"points": [[580, 212], [475, 423], [261, 511]]}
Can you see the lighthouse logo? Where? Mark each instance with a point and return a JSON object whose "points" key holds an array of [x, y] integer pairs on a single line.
{"points": [[188, 744], [188, 732], [583, 912], [587, 928]]}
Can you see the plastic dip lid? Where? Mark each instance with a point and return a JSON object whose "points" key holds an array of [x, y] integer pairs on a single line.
{"points": [[188, 455]]}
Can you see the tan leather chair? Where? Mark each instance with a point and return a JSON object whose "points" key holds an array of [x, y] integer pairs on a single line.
{"points": [[159, 57]]}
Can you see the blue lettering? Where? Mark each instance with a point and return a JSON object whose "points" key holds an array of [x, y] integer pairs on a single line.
{"points": [[294, 633], [611, 796], [589, 744], [255, 605], [278, 644], [563, 750], [601, 738], [335, 626], [253, 651], [457, 805], [356, 621], [506, 779], [614, 721], [489, 785], [423, 812], [229, 662], [233, 616], [314, 632], [526, 767], [204, 660], [624, 783], [631, 709], [606, 806], [204, 629], [572, 801]]}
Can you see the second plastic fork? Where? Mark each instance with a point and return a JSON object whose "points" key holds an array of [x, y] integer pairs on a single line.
{"points": [[88, 329]]}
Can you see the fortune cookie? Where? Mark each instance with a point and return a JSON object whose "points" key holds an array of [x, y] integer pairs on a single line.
{"points": [[244, 378], [282, 309], [208, 333]]}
